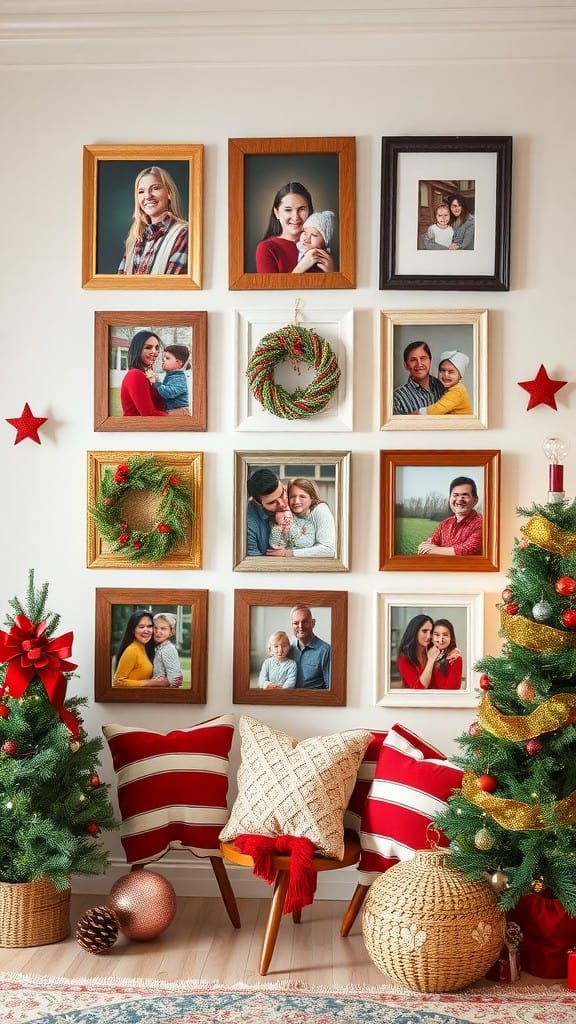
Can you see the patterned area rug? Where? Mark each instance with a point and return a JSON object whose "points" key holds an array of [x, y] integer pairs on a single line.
{"points": [[28, 999]]}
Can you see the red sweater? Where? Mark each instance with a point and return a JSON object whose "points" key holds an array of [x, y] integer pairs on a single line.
{"points": [[138, 397], [276, 256], [411, 675]]}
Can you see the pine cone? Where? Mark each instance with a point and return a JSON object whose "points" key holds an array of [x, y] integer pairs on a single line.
{"points": [[97, 930]]}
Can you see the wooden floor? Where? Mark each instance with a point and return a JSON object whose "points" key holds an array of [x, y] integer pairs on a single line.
{"points": [[201, 943]]}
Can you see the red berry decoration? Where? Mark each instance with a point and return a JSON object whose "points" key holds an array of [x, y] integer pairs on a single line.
{"points": [[512, 608], [507, 594], [9, 747], [569, 618], [566, 586], [485, 683], [4, 711], [533, 748], [487, 783], [94, 781]]}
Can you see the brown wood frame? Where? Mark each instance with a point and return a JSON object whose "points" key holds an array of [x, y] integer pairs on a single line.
{"points": [[189, 467], [104, 692], [489, 461], [238, 149], [149, 154], [336, 600], [103, 323]]}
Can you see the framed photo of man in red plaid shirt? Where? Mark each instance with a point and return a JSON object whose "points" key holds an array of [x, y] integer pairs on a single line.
{"points": [[440, 511], [142, 217]]}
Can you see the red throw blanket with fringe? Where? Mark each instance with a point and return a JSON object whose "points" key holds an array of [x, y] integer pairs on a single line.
{"points": [[301, 876]]}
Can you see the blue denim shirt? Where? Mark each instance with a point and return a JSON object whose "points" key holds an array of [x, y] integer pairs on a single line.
{"points": [[313, 663]]}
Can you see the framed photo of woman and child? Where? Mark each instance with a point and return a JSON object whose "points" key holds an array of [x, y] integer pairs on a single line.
{"points": [[290, 647], [151, 646], [433, 369], [292, 213], [150, 371], [142, 210], [439, 511], [292, 511], [445, 212], [428, 645]]}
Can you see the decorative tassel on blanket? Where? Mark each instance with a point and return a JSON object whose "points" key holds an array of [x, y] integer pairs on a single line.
{"points": [[302, 877]]}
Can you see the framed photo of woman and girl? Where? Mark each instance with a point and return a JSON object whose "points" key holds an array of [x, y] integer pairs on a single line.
{"points": [[428, 645], [292, 213], [151, 646]]}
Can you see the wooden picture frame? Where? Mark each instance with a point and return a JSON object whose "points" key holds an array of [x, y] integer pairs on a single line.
{"points": [[336, 326], [188, 469], [257, 169], [418, 174], [108, 204], [441, 330], [258, 613], [112, 334], [329, 474], [397, 617], [414, 493], [189, 608]]}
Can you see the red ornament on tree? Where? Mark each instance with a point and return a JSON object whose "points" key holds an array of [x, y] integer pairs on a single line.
{"points": [[473, 729], [487, 783], [10, 747], [93, 828], [485, 683], [533, 747], [565, 586], [94, 781], [569, 618], [4, 711], [507, 594], [512, 608]]}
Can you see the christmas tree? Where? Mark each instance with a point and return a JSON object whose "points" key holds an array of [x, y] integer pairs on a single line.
{"points": [[53, 803], [514, 821]]}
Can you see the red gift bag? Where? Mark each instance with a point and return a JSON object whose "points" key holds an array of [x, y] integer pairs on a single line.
{"points": [[548, 934]]}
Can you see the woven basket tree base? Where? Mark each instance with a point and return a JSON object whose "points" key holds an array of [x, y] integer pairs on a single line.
{"points": [[33, 913]]}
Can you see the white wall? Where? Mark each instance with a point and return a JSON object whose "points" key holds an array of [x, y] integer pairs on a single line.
{"points": [[67, 83]]}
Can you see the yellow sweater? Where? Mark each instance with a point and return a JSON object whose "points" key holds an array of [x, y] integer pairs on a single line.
{"points": [[455, 401], [133, 667]]}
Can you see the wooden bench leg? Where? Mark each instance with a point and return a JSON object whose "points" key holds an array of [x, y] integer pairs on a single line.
{"points": [[353, 909], [274, 918], [226, 890]]}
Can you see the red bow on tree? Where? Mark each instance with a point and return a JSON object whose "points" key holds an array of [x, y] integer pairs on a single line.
{"points": [[30, 652]]}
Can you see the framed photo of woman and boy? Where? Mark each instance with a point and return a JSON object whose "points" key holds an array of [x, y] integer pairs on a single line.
{"points": [[290, 647], [428, 645], [291, 511], [292, 213], [439, 511], [445, 212], [151, 646], [142, 212], [150, 371]]}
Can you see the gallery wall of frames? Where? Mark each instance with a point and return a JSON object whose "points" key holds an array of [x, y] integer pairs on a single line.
{"points": [[278, 347]]}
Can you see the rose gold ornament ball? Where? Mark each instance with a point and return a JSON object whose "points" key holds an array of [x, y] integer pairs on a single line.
{"points": [[144, 903]]}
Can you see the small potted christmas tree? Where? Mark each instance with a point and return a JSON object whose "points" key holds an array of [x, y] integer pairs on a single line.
{"points": [[53, 804], [514, 820]]}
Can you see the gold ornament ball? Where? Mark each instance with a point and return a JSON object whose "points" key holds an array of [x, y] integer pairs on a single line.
{"points": [[144, 903], [525, 690], [484, 840]]}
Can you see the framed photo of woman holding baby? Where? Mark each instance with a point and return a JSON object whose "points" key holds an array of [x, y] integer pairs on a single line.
{"points": [[292, 213]]}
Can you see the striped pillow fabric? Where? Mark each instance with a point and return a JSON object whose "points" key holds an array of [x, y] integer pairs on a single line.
{"points": [[412, 783], [172, 788], [353, 813]]}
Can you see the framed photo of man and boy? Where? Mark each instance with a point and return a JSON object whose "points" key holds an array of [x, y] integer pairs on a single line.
{"points": [[433, 369], [439, 511], [290, 647], [445, 212]]}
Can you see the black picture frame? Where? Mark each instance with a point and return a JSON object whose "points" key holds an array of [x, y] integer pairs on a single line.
{"points": [[410, 162]]}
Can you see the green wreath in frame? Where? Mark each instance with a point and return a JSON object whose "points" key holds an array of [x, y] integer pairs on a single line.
{"points": [[169, 499], [296, 345]]}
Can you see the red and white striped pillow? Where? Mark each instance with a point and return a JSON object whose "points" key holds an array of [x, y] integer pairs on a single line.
{"points": [[172, 788], [353, 813], [412, 783]]}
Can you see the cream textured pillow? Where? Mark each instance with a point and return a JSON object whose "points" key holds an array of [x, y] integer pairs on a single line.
{"points": [[296, 788]]}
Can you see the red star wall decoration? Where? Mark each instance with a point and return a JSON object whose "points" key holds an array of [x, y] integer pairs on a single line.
{"points": [[27, 425], [542, 389]]}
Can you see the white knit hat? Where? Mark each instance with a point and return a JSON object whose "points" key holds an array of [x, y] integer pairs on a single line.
{"points": [[459, 360], [324, 223]]}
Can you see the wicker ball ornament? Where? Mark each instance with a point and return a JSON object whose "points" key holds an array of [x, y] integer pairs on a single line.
{"points": [[97, 930], [144, 903], [445, 932]]}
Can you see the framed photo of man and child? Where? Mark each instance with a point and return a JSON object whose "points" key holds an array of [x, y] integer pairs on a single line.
{"points": [[427, 647], [290, 647], [150, 371], [292, 511], [433, 369], [439, 511], [445, 212], [151, 646], [142, 212], [292, 213]]}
